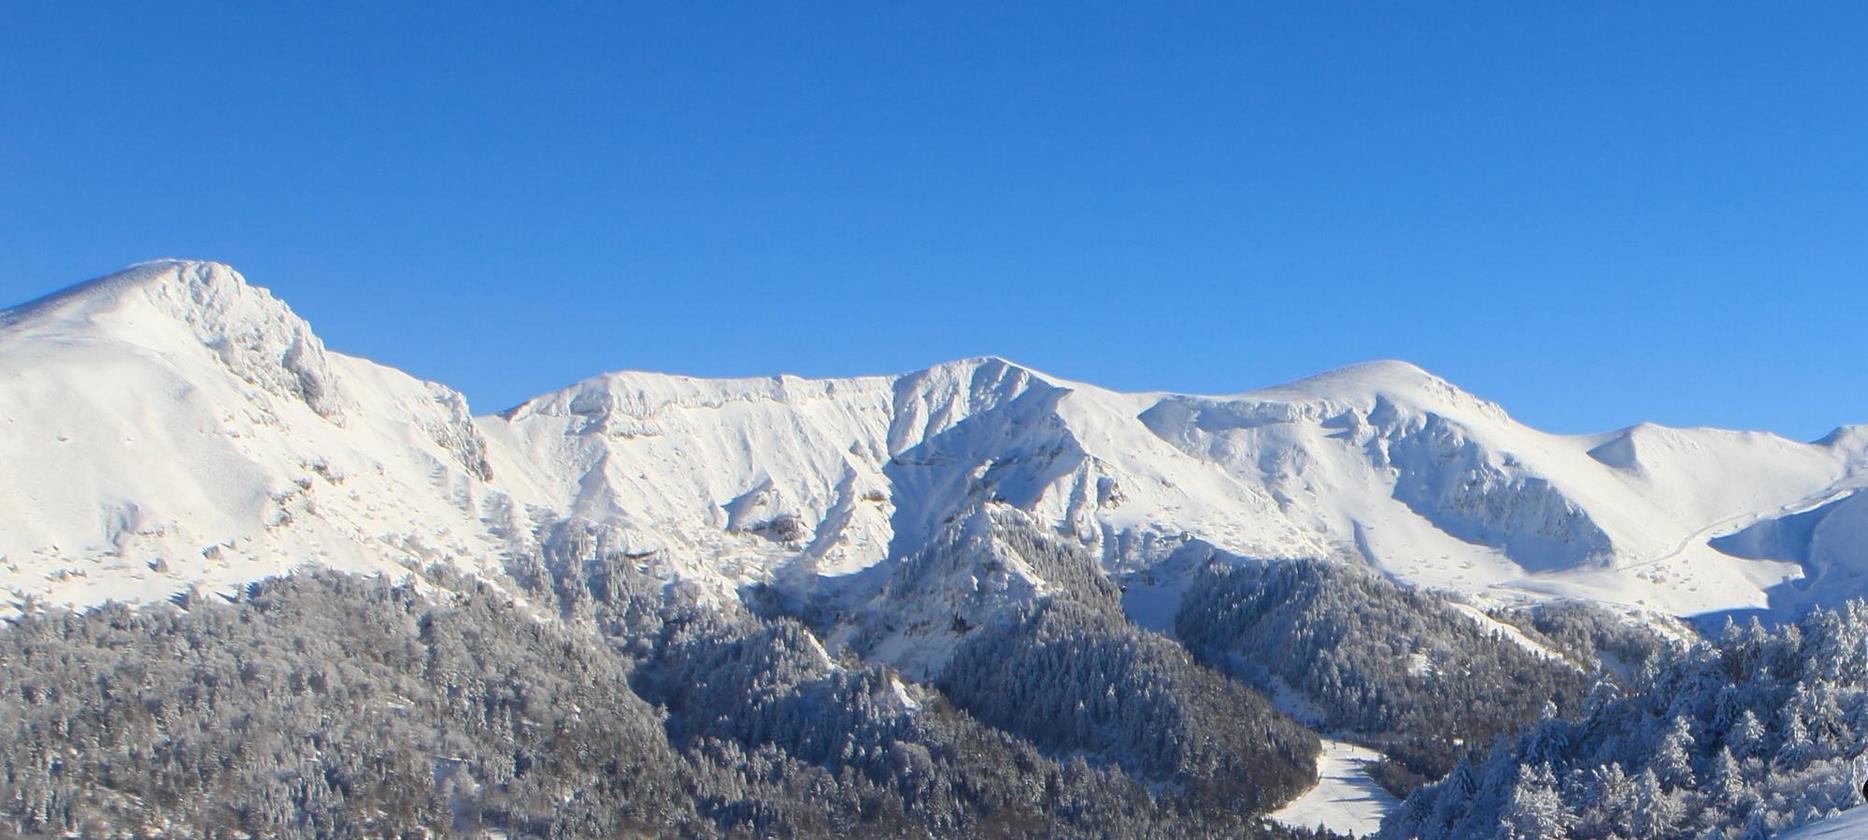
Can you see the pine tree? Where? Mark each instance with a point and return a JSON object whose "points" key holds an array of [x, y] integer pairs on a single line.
{"points": [[1455, 794], [1609, 799], [1656, 812], [1757, 826], [1727, 779], [1747, 737], [1534, 810], [1797, 747], [1673, 760]]}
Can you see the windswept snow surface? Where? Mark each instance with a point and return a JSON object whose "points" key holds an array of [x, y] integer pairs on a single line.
{"points": [[1848, 825], [1345, 800], [172, 425]]}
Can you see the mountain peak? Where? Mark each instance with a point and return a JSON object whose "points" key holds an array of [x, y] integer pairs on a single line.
{"points": [[1390, 380], [976, 362], [1368, 377], [983, 368], [195, 279], [182, 306]]}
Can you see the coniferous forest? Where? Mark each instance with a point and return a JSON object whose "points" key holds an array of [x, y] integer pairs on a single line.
{"points": [[326, 705]]}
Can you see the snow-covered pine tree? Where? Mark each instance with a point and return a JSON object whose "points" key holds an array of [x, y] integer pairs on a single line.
{"points": [[1534, 811]]}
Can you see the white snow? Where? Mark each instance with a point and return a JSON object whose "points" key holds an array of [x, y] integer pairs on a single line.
{"points": [[1344, 800], [172, 425], [1287, 699], [1848, 825], [900, 692], [1509, 632]]}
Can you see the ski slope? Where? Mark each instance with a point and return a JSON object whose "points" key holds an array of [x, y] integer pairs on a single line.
{"points": [[1345, 800]]}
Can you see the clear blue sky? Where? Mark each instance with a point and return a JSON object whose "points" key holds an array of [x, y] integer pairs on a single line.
{"points": [[1595, 214]]}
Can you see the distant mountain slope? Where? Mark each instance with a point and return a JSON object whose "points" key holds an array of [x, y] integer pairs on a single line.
{"points": [[172, 425], [1381, 461]]}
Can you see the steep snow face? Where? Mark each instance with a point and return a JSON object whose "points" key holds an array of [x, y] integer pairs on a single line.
{"points": [[173, 425], [165, 304], [1431, 455], [804, 483], [740, 480], [1828, 540], [1442, 488]]}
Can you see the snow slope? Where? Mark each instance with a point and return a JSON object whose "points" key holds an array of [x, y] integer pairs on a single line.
{"points": [[1383, 462], [1848, 825], [172, 425], [1829, 540], [1345, 800]]}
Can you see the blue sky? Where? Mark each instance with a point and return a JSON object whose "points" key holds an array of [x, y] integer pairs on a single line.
{"points": [[1593, 213]]}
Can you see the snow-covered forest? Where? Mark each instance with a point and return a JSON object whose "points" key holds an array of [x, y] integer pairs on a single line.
{"points": [[327, 705], [259, 588], [1401, 669], [1740, 736]]}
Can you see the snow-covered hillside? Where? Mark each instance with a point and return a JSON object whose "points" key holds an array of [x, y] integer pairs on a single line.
{"points": [[1849, 825], [172, 425]]}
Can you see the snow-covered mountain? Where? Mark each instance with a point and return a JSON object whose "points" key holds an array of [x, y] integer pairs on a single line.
{"points": [[172, 425]]}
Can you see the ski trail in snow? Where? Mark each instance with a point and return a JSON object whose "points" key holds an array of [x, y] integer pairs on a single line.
{"points": [[1345, 799]]}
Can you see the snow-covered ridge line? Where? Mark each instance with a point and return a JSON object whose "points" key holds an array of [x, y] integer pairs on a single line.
{"points": [[193, 423]]}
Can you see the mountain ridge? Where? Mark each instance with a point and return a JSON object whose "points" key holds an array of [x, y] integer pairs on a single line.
{"points": [[808, 482]]}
